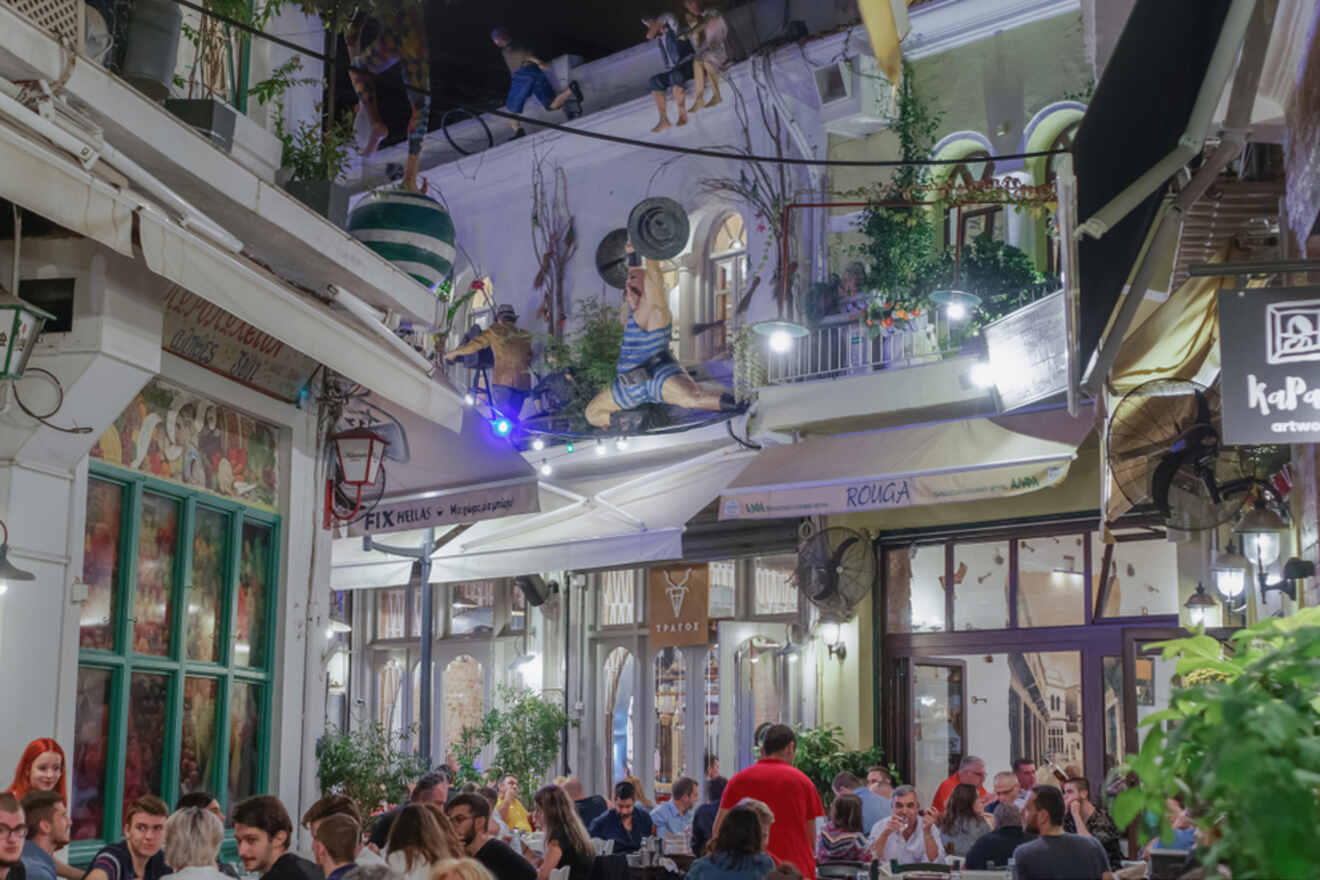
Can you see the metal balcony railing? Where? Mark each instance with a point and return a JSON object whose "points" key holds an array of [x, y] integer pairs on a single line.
{"points": [[848, 349]]}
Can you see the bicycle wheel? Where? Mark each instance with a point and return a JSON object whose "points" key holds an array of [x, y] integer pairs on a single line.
{"points": [[466, 132]]}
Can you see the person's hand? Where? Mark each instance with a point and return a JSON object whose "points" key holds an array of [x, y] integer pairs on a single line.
{"points": [[894, 824], [931, 815]]}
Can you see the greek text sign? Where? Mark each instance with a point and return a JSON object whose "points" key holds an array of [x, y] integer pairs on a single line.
{"points": [[211, 337], [679, 605], [1271, 365]]}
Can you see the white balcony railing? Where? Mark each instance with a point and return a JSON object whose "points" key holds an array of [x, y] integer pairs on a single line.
{"points": [[847, 349]]}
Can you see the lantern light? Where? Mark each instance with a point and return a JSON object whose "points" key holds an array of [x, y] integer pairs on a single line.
{"points": [[1229, 572], [538, 443], [1262, 533], [546, 469], [20, 325], [958, 304], [780, 334], [360, 452], [1199, 605]]}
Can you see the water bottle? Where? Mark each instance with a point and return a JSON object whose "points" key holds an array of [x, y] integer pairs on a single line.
{"points": [[875, 869]]}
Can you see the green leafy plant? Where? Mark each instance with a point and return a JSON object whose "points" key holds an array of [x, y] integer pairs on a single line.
{"points": [[822, 754], [1240, 743], [525, 730], [281, 79], [314, 152], [216, 53], [369, 765]]}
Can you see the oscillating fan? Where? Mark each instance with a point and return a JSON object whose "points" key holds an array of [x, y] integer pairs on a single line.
{"points": [[1165, 452], [835, 570]]}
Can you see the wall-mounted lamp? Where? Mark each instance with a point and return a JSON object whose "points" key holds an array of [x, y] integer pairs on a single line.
{"points": [[1229, 572], [1294, 570], [1262, 532], [336, 627], [359, 453], [1199, 605], [9, 571], [831, 633]]}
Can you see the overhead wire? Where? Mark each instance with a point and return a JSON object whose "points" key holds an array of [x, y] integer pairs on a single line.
{"points": [[619, 139]]}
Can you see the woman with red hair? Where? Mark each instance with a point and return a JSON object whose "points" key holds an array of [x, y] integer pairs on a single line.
{"points": [[41, 769]]}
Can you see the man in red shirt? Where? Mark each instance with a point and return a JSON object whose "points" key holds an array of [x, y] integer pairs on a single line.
{"points": [[788, 793], [971, 771]]}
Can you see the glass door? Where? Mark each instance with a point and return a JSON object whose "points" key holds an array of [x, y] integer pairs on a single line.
{"points": [[938, 729]]}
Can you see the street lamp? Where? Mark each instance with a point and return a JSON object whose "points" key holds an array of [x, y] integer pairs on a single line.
{"points": [[1262, 533], [1229, 572], [1199, 605], [20, 325], [9, 571]]}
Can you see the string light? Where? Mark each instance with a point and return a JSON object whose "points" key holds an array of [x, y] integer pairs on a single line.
{"points": [[538, 444], [600, 447], [546, 469]]}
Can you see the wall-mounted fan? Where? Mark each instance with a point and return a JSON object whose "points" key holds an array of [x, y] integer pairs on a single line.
{"points": [[1165, 452], [835, 570]]}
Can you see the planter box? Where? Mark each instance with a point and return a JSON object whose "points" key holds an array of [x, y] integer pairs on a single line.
{"points": [[328, 199], [231, 132]]}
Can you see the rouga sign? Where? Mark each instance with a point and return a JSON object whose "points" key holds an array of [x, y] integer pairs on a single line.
{"points": [[1271, 365]]}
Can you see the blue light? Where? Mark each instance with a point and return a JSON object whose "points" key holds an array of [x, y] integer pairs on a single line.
{"points": [[502, 426]]}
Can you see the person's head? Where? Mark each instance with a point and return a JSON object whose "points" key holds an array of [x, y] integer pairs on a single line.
{"points": [[557, 815], [961, 805], [335, 841], [460, 869], [685, 793], [1076, 789], [971, 771], [509, 786], [846, 812], [741, 834], [433, 788], [13, 830], [192, 838], [712, 765], [202, 799], [262, 828], [418, 835], [1044, 809], [505, 314], [470, 815], [879, 781], [779, 742], [41, 768], [625, 798], [1006, 815], [763, 812], [846, 783], [905, 805], [500, 37], [47, 819], [715, 789], [330, 805], [1025, 771], [692, 6], [1006, 787], [144, 825], [573, 788]]}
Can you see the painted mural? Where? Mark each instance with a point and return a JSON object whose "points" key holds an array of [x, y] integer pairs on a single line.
{"points": [[174, 434]]}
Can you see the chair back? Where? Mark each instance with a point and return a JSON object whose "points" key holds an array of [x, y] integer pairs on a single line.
{"points": [[560, 873]]}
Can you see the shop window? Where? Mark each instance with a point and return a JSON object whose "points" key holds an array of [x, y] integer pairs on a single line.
{"points": [[389, 695], [723, 590], [391, 613], [773, 590], [914, 578], [768, 693], [711, 712], [151, 636], [1143, 577], [980, 585], [463, 684], [1115, 748], [618, 597], [1051, 581], [471, 608], [670, 704], [726, 279], [620, 695], [938, 723]]}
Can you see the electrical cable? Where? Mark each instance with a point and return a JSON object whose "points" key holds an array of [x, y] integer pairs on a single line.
{"points": [[42, 418], [619, 139]]}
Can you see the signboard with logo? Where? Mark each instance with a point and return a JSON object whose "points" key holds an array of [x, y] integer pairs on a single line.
{"points": [[449, 508], [209, 336], [1028, 351], [678, 605], [1269, 345]]}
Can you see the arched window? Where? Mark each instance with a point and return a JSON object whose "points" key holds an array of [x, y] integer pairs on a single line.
{"points": [[463, 686], [726, 280], [620, 720], [670, 707], [961, 225]]}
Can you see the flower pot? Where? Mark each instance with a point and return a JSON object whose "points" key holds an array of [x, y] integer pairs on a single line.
{"points": [[213, 118], [327, 198], [252, 146], [151, 47]]}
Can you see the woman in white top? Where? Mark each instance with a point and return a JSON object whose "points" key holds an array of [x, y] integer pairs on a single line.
{"points": [[417, 842], [192, 842]]}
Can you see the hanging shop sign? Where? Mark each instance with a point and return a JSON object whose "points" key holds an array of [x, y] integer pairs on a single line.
{"points": [[678, 605], [1029, 352], [173, 434], [211, 337], [450, 508], [1269, 345]]}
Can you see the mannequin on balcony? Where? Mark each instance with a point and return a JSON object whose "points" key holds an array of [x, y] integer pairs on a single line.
{"points": [[375, 44]]}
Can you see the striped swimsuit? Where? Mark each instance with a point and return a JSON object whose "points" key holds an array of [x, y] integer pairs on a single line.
{"points": [[639, 346]]}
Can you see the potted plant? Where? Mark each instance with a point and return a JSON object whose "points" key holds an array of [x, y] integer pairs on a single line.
{"points": [[525, 731], [369, 765], [822, 754], [314, 159]]}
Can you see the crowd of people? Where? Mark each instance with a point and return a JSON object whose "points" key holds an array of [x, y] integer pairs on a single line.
{"points": [[765, 821]]}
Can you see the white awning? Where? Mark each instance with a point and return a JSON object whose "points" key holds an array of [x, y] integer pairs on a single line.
{"points": [[967, 460], [48, 182], [630, 521]]}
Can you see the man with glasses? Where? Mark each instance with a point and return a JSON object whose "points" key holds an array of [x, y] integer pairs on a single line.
{"points": [[13, 831], [971, 771], [469, 814], [1006, 791]]}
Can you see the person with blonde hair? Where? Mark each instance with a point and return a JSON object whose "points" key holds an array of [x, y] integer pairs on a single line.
{"points": [[417, 842], [192, 842], [460, 869], [566, 840]]}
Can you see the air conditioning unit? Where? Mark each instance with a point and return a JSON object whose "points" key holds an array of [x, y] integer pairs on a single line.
{"points": [[856, 99]]}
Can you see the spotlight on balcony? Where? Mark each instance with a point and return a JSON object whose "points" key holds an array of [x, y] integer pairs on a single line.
{"points": [[958, 304], [780, 334]]}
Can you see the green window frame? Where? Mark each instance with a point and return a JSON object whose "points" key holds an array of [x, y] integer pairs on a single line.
{"points": [[121, 661]]}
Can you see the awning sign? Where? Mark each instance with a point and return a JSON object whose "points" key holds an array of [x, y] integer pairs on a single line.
{"points": [[449, 508], [1270, 351], [889, 493]]}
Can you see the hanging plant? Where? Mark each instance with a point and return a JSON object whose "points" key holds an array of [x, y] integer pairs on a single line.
{"points": [[749, 369]]}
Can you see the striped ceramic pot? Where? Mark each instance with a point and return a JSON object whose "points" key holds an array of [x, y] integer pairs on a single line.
{"points": [[410, 230]]}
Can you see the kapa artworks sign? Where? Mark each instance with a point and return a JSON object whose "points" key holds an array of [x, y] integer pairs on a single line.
{"points": [[1269, 345], [678, 605]]}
